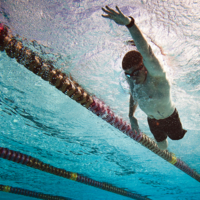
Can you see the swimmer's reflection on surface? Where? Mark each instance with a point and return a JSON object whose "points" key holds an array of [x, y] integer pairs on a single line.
{"points": [[149, 87]]}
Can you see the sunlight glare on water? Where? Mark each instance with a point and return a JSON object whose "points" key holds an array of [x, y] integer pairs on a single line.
{"points": [[38, 120]]}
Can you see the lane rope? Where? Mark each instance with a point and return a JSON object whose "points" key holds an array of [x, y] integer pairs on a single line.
{"points": [[68, 86], [35, 163], [24, 192]]}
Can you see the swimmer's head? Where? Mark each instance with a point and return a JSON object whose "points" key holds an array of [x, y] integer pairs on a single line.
{"points": [[132, 59], [134, 68]]}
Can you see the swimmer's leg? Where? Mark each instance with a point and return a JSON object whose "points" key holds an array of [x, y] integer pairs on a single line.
{"points": [[163, 144]]}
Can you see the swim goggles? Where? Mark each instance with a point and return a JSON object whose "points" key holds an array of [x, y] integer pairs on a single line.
{"points": [[134, 73]]}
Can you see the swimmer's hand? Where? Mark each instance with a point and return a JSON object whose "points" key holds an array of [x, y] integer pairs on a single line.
{"points": [[118, 17], [134, 124]]}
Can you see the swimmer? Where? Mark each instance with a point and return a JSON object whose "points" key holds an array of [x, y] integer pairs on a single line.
{"points": [[150, 89]]}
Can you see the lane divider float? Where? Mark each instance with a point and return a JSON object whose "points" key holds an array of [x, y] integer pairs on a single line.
{"points": [[24, 192], [68, 86], [35, 163]]}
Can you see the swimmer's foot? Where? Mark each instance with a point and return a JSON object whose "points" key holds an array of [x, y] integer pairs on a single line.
{"points": [[163, 145]]}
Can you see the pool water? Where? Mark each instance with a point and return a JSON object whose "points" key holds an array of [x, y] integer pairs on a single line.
{"points": [[38, 120]]}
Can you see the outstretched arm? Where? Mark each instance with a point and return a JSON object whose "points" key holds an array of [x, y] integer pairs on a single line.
{"points": [[150, 61]]}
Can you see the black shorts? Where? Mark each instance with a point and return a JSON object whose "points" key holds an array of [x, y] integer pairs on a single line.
{"points": [[171, 127]]}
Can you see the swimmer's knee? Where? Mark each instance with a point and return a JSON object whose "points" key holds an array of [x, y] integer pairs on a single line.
{"points": [[163, 144]]}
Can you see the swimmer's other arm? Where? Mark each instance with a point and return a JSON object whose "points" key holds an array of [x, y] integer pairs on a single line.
{"points": [[133, 120]]}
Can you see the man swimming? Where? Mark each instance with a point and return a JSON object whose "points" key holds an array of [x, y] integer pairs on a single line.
{"points": [[149, 86]]}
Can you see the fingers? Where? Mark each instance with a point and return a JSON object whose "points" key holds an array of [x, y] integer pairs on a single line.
{"points": [[120, 12], [106, 11], [111, 10], [105, 16]]}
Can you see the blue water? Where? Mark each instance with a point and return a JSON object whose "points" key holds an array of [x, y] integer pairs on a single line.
{"points": [[38, 120]]}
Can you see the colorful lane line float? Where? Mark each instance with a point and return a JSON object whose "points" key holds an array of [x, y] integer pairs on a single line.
{"points": [[20, 191], [26, 57], [29, 161]]}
